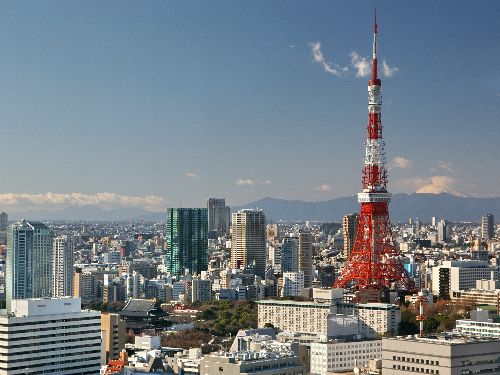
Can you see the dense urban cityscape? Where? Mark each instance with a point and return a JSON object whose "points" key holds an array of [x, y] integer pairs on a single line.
{"points": [[211, 290], [204, 290]]}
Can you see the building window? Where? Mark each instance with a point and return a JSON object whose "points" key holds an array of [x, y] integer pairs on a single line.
{"points": [[221, 369]]}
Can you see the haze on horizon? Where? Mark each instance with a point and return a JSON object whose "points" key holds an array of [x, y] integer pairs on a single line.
{"points": [[161, 104]]}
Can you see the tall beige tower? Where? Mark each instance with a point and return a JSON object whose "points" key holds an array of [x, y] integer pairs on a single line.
{"points": [[350, 228], [305, 257], [248, 247], [113, 336]]}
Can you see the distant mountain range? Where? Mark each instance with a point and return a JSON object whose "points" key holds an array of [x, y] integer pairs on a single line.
{"points": [[402, 207]]}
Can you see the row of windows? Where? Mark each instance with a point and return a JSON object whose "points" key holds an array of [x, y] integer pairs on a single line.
{"points": [[53, 328], [63, 356], [408, 359], [417, 369], [97, 318], [39, 338], [64, 360], [63, 366], [66, 342]]}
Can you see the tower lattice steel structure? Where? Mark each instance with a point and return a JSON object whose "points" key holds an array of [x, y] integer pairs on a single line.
{"points": [[374, 262]]}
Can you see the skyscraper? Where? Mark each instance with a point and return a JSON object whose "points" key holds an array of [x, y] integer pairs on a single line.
{"points": [[187, 240], [444, 231], [62, 266], [488, 226], [290, 254], [219, 217], [28, 264], [349, 228], [4, 223], [248, 247], [305, 257]]}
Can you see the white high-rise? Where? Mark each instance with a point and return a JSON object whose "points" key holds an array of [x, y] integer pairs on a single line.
{"points": [[28, 271], [50, 335], [62, 266], [248, 248]]}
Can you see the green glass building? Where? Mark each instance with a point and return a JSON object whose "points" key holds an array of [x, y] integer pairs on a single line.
{"points": [[187, 240]]}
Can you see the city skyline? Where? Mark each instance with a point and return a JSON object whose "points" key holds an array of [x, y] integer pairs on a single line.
{"points": [[164, 104]]}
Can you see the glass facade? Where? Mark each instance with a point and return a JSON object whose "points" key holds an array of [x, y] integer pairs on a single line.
{"points": [[187, 240], [28, 263]]}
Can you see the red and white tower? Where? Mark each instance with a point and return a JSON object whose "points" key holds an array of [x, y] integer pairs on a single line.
{"points": [[374, 262]]}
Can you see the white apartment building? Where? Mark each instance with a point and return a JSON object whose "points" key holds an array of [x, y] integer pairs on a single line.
{"points": [[343, 355], [63, 273], [312, 318], [49, 335], [292, 316], [375, 318], [293, 283], [112, 257], [460, 275]]}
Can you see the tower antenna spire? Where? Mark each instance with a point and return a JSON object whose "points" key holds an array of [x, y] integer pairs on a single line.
{"points": [[374, 65]]}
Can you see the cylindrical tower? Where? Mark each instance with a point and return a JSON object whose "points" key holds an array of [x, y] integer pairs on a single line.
{"points": [[374, 261]]}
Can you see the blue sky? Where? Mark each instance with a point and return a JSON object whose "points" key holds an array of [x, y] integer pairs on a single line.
{"points": [[166, 103]]}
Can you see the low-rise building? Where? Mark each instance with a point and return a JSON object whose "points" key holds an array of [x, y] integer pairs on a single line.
{"points": [[444, 355], [273, 359], [341, 355]]}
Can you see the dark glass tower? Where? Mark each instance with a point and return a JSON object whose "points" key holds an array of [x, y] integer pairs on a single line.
{"points": [[187, 240]]}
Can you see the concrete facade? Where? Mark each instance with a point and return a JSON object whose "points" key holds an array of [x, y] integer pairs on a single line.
{"points": [[50, 335], [440, 356]]}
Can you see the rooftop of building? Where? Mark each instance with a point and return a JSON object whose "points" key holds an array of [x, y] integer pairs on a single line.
{"points": [[444, 339], [292, 303]]}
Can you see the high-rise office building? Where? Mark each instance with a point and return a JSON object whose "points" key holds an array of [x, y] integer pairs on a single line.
{"points": [[62, 266], [28, 264], [305, 257], [4, 223], [350, 229], [248, 246], [444, 231], [488, 226], [187, 240], [290, 254], [219, 217]]}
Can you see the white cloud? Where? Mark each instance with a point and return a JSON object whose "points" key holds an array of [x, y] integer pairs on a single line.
{"points": [[388, 72], [54, 202], [328, 66], [244, 182], [192, 175], [401, 163], [362, 66], [447, 166], [323, 188], [268, 182]]}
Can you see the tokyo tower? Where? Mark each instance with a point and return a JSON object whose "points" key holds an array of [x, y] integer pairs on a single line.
{"points": [[374, 262]]}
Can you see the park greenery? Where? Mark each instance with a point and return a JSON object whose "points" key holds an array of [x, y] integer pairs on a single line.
{"points": [[441, 317], [218, 320]]}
